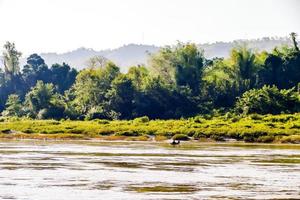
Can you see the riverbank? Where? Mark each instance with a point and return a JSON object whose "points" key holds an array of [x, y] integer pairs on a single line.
{"points": [[253, 128]]}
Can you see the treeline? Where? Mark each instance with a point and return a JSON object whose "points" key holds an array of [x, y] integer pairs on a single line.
{"points": [[177, 82]]}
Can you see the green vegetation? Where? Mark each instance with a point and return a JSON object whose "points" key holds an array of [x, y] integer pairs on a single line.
{"points": [[180, 94], [268, 100], [178, 82], [282, 128]]}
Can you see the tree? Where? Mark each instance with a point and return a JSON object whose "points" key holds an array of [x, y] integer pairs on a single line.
{"points": [[181, 65], [62, 76], [220, 83], [161, 64], [272, 73], [121, 96], [91, 87], [13, 106], [282, 68], [11, 80], [11, 59], [35, 70], [42, 102], [291, 67], [154, 100], [243, 61], [188, 67], [96, 62], [138, 76], [294, 40]]}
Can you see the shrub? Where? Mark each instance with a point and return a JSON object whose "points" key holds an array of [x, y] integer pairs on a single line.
{"points": [[144, 119], [295, 126], [268, 100], [266, 139], [198, 119], [256, 117], [28, 131], [235, 119], [249, 138], [128, 133], [102, 121], [160, 138], [180, 137], [280, 118], [105, 132], [199, 135], [77, 131], [5, 131], [228, 115], [96, 112], [271, 125], [291, 139], [217, 138]]}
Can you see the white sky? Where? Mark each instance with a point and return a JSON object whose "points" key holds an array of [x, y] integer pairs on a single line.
{"points": [[64, 25]]}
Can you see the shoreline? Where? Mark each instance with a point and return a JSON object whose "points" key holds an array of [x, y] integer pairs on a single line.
{"points": [[111, 139], [284, 128], [184, 145]]}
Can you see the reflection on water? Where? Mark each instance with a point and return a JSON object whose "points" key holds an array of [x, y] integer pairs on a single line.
{"points": [[37, 170]]}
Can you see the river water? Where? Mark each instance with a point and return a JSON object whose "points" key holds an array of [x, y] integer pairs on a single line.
{"points": [[81, 170]]}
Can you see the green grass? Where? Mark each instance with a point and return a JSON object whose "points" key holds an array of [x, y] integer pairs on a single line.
{"points": [[283, 128]]}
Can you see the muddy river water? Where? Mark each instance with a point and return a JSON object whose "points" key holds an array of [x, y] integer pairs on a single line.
{"points": [[84, 170]]}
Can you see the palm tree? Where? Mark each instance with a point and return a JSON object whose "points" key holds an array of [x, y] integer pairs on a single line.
{"points": [[244, 63]]}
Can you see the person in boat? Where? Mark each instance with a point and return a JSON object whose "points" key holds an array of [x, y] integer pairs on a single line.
{"points": [[175, 143]]}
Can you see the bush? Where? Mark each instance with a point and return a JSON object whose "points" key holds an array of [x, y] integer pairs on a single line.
{"points": [[268, 100], [105, 132], [28, 131], [235, 119], [217, 138], [280, 118], [266, 139], [256, 117], [128, 133], [291, 139], [198, 119], [199, 135], [102, 121], [180, 137], [50, 113], [95, 113], [295, 126], [144, 119]]}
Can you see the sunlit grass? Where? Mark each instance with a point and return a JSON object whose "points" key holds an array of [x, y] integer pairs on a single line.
{"points": [[254, 128]]}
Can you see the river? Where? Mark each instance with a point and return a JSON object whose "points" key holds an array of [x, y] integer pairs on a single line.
{"points": [[84, 170]]}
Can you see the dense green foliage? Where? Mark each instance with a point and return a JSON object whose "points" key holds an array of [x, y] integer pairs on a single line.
{"points": [[252, 128], [178, 82], [269, 100]]}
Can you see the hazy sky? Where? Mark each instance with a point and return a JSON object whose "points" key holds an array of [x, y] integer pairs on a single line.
{"points": [[63, 25]]}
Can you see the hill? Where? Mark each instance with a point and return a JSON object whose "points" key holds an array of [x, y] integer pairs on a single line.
{"points": [[134, 54]]}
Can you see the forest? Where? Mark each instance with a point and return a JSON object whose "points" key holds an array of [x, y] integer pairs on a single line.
{"points": [[177, 82]]}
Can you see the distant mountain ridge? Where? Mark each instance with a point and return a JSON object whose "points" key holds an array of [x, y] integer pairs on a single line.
{"points": [[125, 56], [134, 54], [222, 49]]}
